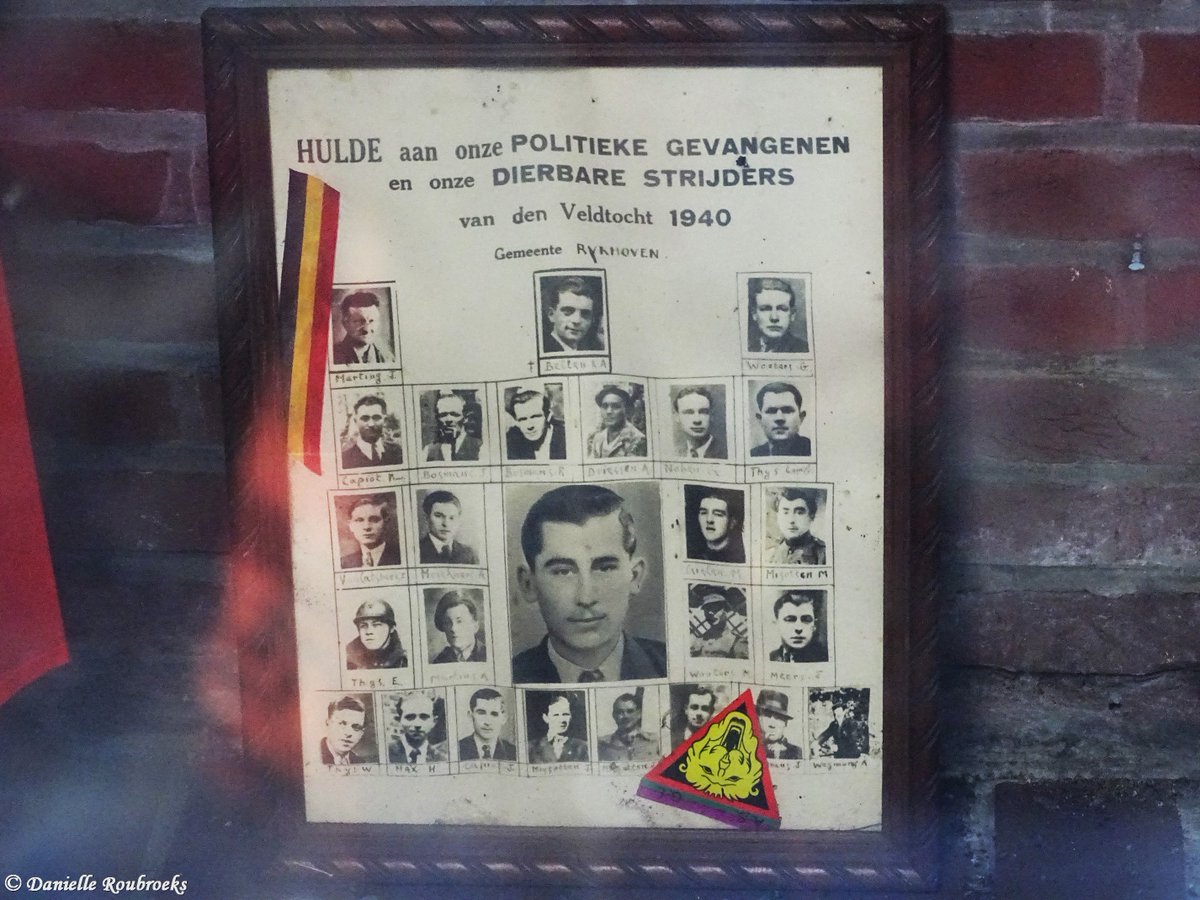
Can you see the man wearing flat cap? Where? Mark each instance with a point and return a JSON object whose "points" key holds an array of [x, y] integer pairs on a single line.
{"points": [[773, 716], [616, 436], [717, 620], [378, 643]]}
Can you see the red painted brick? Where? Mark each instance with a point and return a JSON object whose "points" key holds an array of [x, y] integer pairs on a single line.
{"points": [[1067, 420], [51, 64], [1168, 91], [86, 181], [143, 511], [1023, 631], [1061, 309], [1027, 77], [102, 408], [1027, 524], [1066, 194]]}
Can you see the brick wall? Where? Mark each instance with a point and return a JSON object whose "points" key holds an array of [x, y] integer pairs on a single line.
{"points": [[1073, 587]]}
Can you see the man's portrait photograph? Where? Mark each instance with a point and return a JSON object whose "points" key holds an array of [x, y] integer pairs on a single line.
{"points": [[368, 530], [585, 563], [713, 523], [692, 705], [361, 332], [616, 424], [718, 622], [534, 422], [348, 737], [838, 722], [791, 514], [571, 306], [698, 421], [486, 719], [369, 427], [798, 629], [379, 636], [455, 624], [416, 730], [449, 526], [776, 314], [556, 724], [779, 410], [777, 719], [627, 724], [452, 425]]}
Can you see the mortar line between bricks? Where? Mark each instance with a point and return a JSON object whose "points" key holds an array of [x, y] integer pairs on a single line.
{"points": [[1112, 137], [1078, 474], [962, 576], [1128, 677], [974, 248]]}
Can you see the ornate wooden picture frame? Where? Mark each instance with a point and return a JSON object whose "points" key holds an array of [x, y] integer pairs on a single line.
{"points": [[266, 71]]}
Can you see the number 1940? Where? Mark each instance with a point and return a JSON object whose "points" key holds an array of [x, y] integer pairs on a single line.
{"points": [[689, 217]]}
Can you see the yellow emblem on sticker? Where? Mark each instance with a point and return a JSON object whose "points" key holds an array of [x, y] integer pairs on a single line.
{"points": [[725, 763]]}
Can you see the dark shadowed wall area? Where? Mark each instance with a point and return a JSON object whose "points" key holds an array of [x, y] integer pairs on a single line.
{"points": [[1071, 684]]}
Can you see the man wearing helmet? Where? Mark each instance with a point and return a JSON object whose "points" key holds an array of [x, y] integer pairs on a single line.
{"points": [[378, 643]]}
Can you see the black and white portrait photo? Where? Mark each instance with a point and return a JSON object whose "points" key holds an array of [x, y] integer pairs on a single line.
{"points": [[790, 514], [777, 718], [368, 530], [618, 420], [370, 432], [348, 737], [571, 311], [449, 525], [586, 568], [698, 417], [718, 622], [455, 624], [452, 425], [838, 722], [486, 719], [776, 314], [417, 730], [534, 423], [627, 729], [779, 412], [557, 726], [713, 523], [799, 629], [361, 332], [377, 643], [692, 705]]}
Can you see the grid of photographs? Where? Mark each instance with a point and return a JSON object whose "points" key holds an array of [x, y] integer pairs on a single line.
{"points": [[573, 571]]}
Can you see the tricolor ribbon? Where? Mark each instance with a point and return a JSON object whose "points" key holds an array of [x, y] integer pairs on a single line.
{"points": [[309, 243]]}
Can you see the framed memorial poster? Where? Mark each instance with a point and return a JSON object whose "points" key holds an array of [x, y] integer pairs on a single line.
{"points": [[580, 366]]}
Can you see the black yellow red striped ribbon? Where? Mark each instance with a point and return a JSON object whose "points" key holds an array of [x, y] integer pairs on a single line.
{"points": [[309, 245]]}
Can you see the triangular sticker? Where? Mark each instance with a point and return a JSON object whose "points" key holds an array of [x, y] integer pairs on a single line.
{"points": [[720, 772]]}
